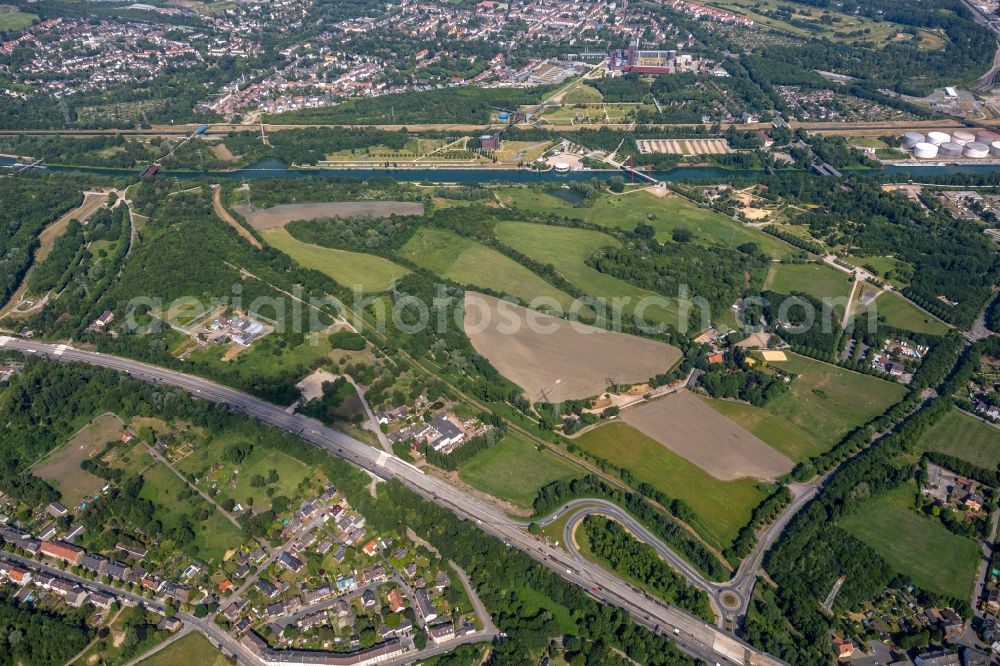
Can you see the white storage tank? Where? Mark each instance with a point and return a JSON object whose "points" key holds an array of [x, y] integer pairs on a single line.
{"points": [[925, 151], [937, 138], [963, 137], [976, 150], [911, 139], [950, 149], [995, 148], [561, 167]]}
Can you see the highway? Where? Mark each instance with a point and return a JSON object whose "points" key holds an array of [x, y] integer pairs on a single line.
{"points": [[692, 634]]}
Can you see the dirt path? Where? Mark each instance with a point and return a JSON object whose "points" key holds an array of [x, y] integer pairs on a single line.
{"points": [[47, 239], [225, 216], [159, 458]]}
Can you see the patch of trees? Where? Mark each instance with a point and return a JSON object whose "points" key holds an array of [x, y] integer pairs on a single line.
{"points": [[718, 275], [348, 340], [468, 104], [950, 258], [751, 386], [761, 516], [31, 202], [635, 560], [325, 408], [468, 450], [359, 233], [557, 493], [32, 635]]}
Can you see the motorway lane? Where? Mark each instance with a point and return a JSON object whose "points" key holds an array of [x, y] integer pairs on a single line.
{"points": [[693, 634]]}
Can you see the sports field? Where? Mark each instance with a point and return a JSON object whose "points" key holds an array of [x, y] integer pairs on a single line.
{"points": [[964, 437], [62, 466], [828, 401], [683, 423], [902, 314], [664, 214], [370, 273], [515, 470], [917, 546], [722, 507], [782, 435], [555, 359], [190, 649], [817, 280], [567, 250], [472, 264]]}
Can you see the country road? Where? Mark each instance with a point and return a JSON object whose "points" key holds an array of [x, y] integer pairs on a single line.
{"points": [[692, 634]]}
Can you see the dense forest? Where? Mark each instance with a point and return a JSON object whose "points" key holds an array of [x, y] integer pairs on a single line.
{"points": [[30, 204], [31, 635], [952, 261]]}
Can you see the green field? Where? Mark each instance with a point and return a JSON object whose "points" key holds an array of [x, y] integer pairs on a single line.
{"points": [[782, 435], [191, 649], [582, 94], [964, 437], [886, 268], [262, 459], [903, 314], [722, 507], [817, 280], [213, 536], [514, 470], [625, 211], [373, 274], [917, 546], [532, 601], [12, 21], [568, 249], [828, 401], [472, 264]]}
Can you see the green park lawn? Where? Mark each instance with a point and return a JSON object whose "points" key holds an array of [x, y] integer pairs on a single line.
{"points": [[900, 313], [514, 470], [371, 273], [625, 211], [472, 264], [964, 437], [190, 649], [817, 280], [13, 21], [828, 401], [568, 249], [722, 507], [917, 546]]}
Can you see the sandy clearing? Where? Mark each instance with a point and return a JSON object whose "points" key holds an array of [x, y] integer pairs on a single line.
{"points": [[774, 356], [687, 426], [553, 359], [279, 216]]}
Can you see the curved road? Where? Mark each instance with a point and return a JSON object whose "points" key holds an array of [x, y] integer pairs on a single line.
{"points": [[739, 587], [692, 634]]}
